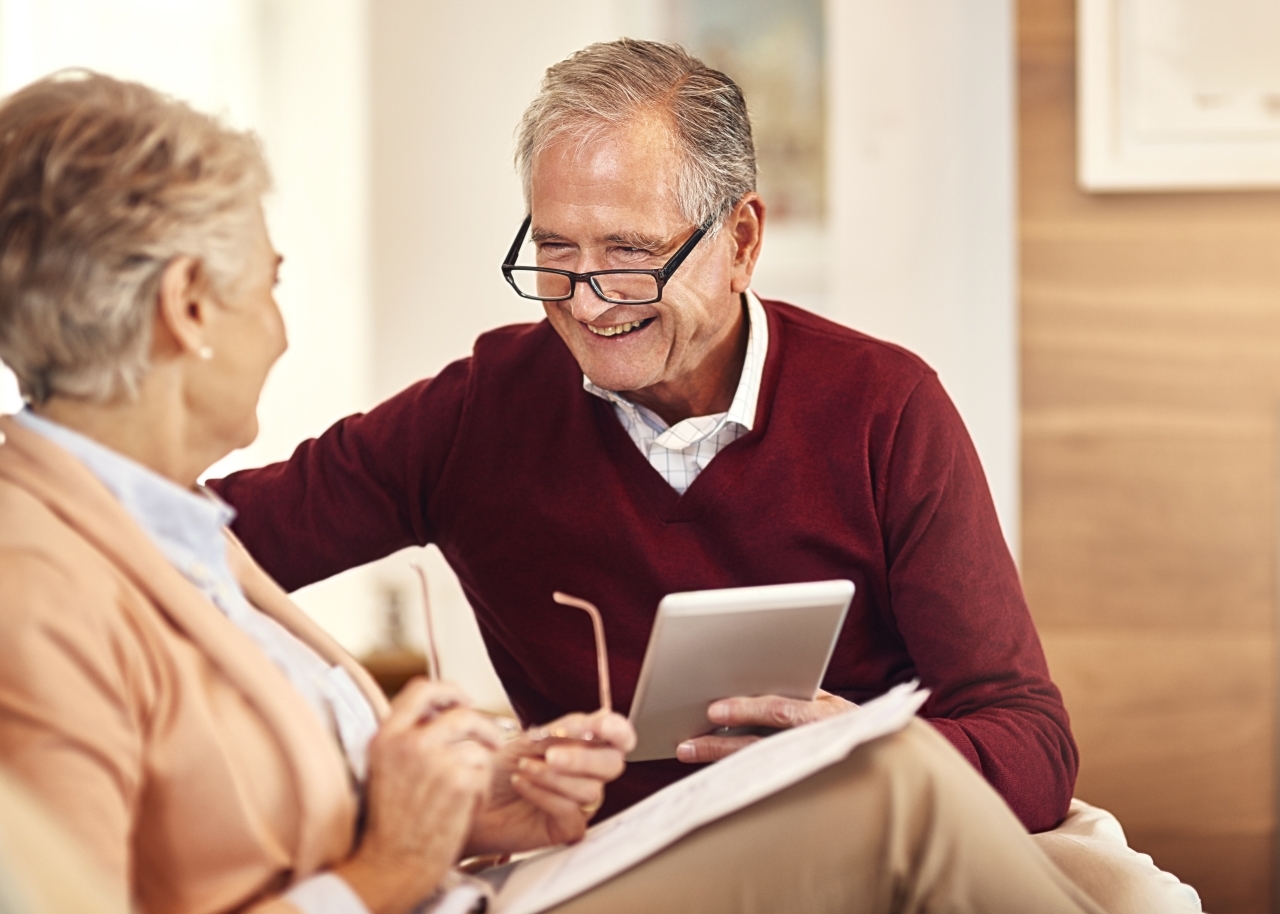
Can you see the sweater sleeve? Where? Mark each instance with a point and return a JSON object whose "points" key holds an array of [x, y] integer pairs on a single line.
{"points": [[360, 491], [957, 602]]}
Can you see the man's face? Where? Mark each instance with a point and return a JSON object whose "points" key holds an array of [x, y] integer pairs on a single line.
{"points": [[610, 204]]}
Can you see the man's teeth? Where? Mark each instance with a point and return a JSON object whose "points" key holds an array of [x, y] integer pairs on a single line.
{"points": [[615, 329]]}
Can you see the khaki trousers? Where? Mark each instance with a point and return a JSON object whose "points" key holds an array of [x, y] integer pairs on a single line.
{"points": [[904, 824]]}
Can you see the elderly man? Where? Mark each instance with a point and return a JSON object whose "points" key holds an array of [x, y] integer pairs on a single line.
{"points": [[666, 430]]}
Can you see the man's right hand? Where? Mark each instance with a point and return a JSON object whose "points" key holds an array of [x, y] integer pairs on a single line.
{"points": [[430, 766]]}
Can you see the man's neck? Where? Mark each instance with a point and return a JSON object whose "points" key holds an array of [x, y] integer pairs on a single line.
{"points": [[710, 389]]}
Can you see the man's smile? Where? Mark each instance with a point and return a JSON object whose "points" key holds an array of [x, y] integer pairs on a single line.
{"points": [[620, 329]]}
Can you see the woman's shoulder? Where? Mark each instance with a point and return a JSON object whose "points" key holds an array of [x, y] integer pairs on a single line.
{"points": [[51, 578], [32, 535]]}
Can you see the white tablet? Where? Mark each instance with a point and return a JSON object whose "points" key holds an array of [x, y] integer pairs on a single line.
{"points": [[712, 644]]}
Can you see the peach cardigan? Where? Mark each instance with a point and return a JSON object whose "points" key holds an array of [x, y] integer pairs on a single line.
{"points": [[161, 735]]}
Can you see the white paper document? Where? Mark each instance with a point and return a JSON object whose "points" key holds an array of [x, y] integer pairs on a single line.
{"points": [[761, 769]]}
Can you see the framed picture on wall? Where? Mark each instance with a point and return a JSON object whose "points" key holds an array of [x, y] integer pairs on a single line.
{"points": [[1178, 94]]}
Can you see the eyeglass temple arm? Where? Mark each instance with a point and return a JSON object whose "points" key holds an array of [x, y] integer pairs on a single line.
{"points": [[602, 651], [433, 658], [685, 249], [514, 253]]}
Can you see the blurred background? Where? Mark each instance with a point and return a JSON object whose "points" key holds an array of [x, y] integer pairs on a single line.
{"points": [[1115, 356]]}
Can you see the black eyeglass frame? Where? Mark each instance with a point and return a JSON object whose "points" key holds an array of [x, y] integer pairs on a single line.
{"points": [[661, 275]]}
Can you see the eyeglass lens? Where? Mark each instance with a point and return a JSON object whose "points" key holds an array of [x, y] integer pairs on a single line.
{"points": [[617, 287]]}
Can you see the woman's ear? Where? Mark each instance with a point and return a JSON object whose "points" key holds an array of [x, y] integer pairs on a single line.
{"points": [[182, 310], [746, 226]]}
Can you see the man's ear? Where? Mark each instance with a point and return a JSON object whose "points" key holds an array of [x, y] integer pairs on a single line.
{"points": [[746, 226], [182, 309]]}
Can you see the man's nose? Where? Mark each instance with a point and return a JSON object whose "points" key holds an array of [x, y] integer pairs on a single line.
{"points": [[586, 305]]}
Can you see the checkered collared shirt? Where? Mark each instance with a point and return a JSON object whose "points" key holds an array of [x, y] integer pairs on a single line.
{"points": [[682, 451]]}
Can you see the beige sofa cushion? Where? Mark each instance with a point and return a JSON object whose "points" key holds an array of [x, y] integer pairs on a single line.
{"points": [[1090, 847]]}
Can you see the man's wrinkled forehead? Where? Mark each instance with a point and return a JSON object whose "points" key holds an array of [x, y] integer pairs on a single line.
{"points": [[641, 149]]}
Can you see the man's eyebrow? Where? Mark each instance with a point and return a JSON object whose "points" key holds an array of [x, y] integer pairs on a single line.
{"points": [[539, 235], [626, 239], [636, 240]]}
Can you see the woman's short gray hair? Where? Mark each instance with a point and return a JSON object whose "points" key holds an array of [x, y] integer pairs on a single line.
{"points": [[610, 84], [103, 183]]}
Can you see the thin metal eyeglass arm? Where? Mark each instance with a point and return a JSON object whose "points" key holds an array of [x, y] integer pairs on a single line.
{"points": [[602, 651], [433, 659]]}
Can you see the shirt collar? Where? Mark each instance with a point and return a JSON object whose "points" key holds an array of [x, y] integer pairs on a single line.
{"points": [[742, 409], [187, 527]]}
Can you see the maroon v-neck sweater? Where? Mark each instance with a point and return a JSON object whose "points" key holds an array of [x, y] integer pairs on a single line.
{"points": [[858, 467]]}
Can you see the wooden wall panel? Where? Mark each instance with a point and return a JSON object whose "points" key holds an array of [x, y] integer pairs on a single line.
{"points": [[1151, 390]]}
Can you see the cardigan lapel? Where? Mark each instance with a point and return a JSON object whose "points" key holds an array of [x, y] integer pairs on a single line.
{"points": [[326, 802], [268, 596]]}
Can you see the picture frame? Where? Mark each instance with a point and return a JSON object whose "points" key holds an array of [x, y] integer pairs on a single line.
{"points": [[1177, 95]]}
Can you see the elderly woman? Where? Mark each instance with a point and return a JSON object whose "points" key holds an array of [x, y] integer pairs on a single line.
{"points": [[207, 743]]}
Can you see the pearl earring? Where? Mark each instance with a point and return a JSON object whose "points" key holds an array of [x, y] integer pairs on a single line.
{"points": [[205, 352]]}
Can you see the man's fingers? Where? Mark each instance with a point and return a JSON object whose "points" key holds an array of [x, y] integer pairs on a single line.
{"points": [[761, 711], [711, 748], [775, 711]]}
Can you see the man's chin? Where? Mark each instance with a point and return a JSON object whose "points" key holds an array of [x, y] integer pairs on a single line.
{"points": [[620, 382], [619, 374]]}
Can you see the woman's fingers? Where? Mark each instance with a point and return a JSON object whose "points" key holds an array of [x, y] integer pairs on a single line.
{"points": [[601, 728], [421, 699], [440, 713], [581, 791], [614, 728], [459, 724], [585, 760], [430, 770], [567, 818], [469, 769]]}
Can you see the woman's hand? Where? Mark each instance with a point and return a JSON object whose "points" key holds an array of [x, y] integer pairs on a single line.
{"points": [[430, 768], [549, 782]]}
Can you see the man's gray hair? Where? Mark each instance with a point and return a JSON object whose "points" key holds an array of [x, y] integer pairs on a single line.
{"points": [[103, 183], [610, 84]]}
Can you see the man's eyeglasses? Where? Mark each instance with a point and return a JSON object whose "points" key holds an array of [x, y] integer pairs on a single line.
{"points": [[618, 287]]}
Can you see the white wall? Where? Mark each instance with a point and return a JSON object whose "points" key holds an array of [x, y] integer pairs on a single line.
{"points": [[922, 213], [295, 71]]}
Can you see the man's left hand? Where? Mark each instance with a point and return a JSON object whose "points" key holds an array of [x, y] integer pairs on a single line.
{"points": [[760, 711]]}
